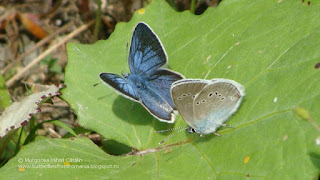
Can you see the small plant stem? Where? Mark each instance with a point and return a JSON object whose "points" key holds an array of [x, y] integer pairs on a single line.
{"points": [[98, 22], [193, 6]]}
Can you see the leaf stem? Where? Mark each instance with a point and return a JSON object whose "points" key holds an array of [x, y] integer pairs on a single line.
{"points": [[193, 6], [98, 22], [19, 141]]}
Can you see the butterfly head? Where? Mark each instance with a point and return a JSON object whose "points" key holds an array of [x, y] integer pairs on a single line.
{"points": [[191, 130]]}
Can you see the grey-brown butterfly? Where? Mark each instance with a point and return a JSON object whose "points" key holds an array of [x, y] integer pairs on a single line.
{"points": [[206, 105]]}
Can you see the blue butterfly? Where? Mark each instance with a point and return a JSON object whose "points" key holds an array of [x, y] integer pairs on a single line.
{"points": [[148, 83]]}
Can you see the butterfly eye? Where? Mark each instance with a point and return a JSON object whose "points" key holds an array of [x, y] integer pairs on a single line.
{"points": [[191, 130]]}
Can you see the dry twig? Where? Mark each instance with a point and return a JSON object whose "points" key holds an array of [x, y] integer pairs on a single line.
{"points": [[39, 44], [47, 52]]}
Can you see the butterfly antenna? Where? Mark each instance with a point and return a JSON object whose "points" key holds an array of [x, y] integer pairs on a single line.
{"points": [[226, 125], [184, 128], [99, 82], [171, 129], [127, 52], [96, 84]]}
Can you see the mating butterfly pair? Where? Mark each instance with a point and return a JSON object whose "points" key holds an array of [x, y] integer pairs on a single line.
{"points": [[204, 105]]}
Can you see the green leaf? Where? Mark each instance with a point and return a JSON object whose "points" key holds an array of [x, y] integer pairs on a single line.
{"points": [[5, 99], [79, 158], [52, 64], [64, 126], [271, 47]]}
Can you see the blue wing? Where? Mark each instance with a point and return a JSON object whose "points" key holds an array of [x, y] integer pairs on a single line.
{"points": [[154, 93], [119, 84], [161, 80], [157, 105], [146, 52]]}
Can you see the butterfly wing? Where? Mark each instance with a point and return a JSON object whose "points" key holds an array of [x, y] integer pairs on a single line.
{"points": [[146, 52], [161, 81], [183, 93], [155, 96], [215, 103], [120, 85], [157, 106]]}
